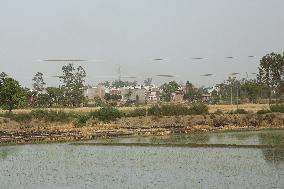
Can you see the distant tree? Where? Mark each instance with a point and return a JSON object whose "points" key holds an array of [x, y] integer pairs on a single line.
{"points": [[192, 93], [73, 82], [271, 71], [106, 84], [168, 89], [55, 96], [98, 101], [43, 100], [3, 75], [11, 93], [252, 90], [119, 83], [148, 81], [39, 83], [215, 97]]}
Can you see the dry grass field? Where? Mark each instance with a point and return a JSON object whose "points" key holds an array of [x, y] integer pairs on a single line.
{"points": [[247, 107], [212, 108]]}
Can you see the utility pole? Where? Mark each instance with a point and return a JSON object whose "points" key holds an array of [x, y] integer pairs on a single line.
{"points": [[119, 73], [237, 96], [231, 95]]}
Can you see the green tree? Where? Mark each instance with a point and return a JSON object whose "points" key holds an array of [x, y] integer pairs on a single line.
{"points": [[55, 96], [271, 71], [148, 81], [98, 101], [73, 83], [39, 83], [192, 93], [168, 89], [119, 83], [11, 93]]}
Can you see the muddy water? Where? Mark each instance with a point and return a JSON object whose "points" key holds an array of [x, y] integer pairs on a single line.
{"points": [[91, 166]]}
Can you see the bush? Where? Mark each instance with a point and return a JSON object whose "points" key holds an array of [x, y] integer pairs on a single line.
{"points": [[219, 121], [174, 110], [155, 111], [7, 114], [82, 119], [20, 117], [51, 116], [108, 113], [39, 114], [23, 117], [239, 111], [218, 112], [198, 109], [136, 112], [54, 116], [263, 111], [277, 108]]}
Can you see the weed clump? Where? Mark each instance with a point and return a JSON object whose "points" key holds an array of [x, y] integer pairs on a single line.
{"points": [[239, 111], [263, 111], [137, 112], [277, 108], [50, 116]]}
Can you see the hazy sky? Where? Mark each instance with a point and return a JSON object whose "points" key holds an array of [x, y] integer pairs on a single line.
{"points": [[133, 32]]}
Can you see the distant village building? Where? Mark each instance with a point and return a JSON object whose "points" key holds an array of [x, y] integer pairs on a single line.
{"points": [[153, 97], [133, 94], [92, 92], [177, 97], [114, 91], [206, 98]]}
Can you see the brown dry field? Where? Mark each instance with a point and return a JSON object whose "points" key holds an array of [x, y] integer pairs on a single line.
{"points": [[212, 108], [247, 107]]}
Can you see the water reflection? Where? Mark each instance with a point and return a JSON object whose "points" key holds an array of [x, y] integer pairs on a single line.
{"points": [[5, 152], [180, 139], [264, 137], [274, 156]]}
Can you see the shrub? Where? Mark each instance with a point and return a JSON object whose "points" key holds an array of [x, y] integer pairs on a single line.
{"points": [[219, 121], [239, 111], [263, 111], [277, 108], [39, 114], [51, 116], [174, 110], [7, 114], [82, 120], [218, 112], [108, 113], [136, 112], [23, 117], [198, 109], [54, 116], [154, 111]]}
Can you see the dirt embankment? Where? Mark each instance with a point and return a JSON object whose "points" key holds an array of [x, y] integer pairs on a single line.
{"points": [[40, 131]]}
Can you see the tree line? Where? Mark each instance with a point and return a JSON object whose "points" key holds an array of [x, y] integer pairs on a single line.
{"points": [[268, 84]]}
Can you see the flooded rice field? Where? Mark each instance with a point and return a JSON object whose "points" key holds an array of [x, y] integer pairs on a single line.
{"points": [[118, 166]]}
